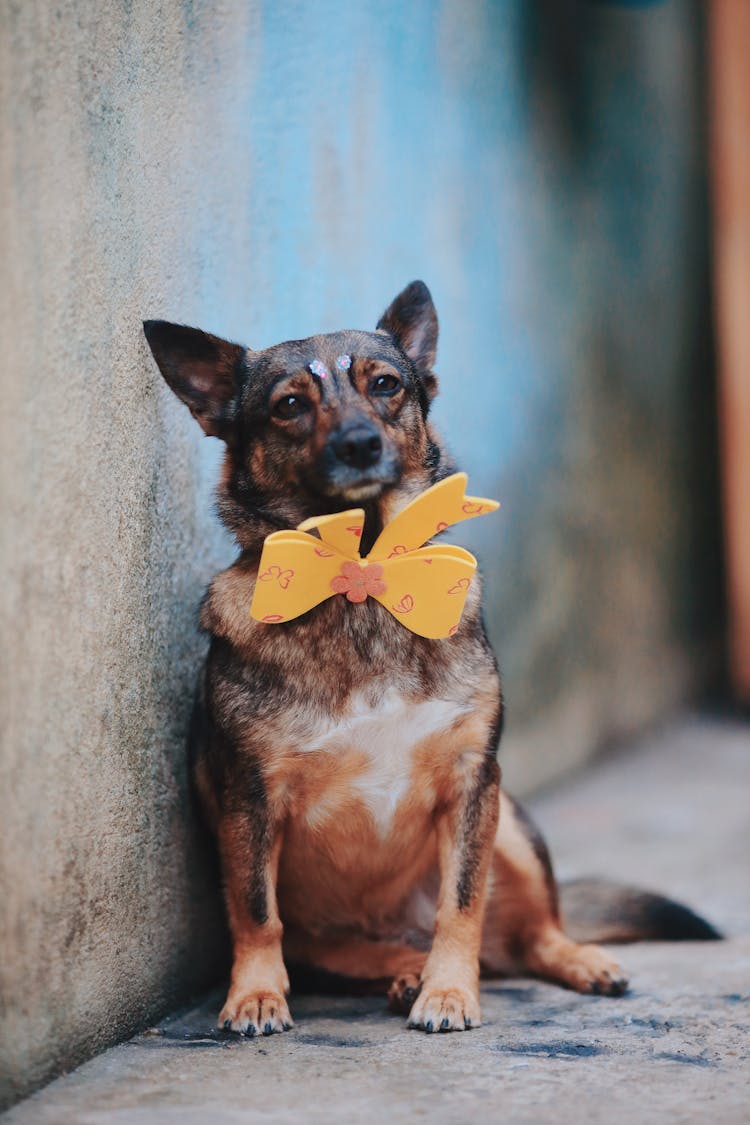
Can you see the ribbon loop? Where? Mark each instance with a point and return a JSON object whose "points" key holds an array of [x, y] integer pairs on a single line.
{"points": [[343, 530], [436, 509]]}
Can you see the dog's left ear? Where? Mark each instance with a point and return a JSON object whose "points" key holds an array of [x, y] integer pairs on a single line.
{"points": [[412, 321], [202, 370]]}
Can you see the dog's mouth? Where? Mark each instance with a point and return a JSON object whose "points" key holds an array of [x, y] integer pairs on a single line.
{"points": [[346, 485], [364, 490], [355, 492]]}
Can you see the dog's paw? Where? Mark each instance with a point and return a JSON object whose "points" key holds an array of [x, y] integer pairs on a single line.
{"points": [[593, 971], [445, 1009], [255, 1013], [403, 992]]}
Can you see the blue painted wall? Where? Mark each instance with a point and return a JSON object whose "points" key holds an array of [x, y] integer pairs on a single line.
{"points": [[559, 218]]}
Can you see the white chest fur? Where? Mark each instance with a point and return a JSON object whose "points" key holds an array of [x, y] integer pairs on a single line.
{"points": [[384, 732]]}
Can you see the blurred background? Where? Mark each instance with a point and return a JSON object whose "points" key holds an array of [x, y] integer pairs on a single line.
{"points": [[571, 179]]}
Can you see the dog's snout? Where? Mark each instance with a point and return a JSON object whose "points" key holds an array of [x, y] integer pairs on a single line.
{"points": [[358, 446]]}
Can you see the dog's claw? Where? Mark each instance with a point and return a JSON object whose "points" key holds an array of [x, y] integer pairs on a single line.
{"points": [[403, 992], [608, 985], [449, 1009], [256, 1013]]}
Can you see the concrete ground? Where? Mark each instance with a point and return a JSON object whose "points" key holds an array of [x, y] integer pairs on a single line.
{"points": [[672, 814]]}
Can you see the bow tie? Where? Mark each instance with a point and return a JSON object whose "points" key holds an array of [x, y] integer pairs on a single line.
{"points": [[423, 587]]}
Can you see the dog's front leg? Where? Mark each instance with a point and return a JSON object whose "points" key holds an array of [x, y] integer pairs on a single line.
{"points": [[249, 847], [449, 996]]}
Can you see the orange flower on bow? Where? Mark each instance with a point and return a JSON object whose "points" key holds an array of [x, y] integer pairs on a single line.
{"points": [[298, 570], [359, 582]]}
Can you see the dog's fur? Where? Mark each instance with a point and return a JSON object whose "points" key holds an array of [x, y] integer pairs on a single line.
{"points": [[347, 766]]}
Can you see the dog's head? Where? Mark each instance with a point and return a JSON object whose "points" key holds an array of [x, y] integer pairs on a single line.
{"points": [[311, 425]]}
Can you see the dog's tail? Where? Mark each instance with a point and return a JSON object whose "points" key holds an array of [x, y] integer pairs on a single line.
{"points": [[600, 911]]}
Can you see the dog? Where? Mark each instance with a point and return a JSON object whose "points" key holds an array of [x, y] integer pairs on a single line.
{"points": [[347, 766]]}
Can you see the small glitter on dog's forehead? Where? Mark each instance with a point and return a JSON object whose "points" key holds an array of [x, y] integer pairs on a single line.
{"points": [[344, 362], [318, 368]]}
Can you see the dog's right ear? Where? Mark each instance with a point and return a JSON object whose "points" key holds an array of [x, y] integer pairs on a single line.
{"points": [[202, 370]]}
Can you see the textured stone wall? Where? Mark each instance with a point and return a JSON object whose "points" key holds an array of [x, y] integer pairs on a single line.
{"points": [[266, 171]]}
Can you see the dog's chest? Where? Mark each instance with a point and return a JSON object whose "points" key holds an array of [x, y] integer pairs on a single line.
{"points": [[372, 755]]}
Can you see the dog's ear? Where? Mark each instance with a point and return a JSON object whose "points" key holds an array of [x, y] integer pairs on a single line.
{"points": [[412, 321], [201, 369]]}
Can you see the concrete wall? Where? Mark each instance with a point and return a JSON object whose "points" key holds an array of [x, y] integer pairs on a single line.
{"points": [[266, 171]]}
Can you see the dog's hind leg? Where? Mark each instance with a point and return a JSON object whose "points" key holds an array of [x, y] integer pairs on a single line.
{"points": [[396, 968], [522, 929]]}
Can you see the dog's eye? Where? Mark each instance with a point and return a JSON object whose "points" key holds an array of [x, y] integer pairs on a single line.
{"points": [[384, 385], [291, 406]]}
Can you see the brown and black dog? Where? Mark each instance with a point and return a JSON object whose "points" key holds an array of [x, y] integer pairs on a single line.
{"points": [[346, 765]]}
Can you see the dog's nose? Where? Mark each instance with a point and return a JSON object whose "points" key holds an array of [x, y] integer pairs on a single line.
{"points": [[359, 446]]}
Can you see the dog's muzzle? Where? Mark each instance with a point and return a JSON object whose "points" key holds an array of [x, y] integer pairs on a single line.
{"points": [[358, 447]]}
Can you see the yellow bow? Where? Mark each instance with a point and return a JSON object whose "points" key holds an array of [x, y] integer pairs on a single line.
{"points": [[425, 589]]}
